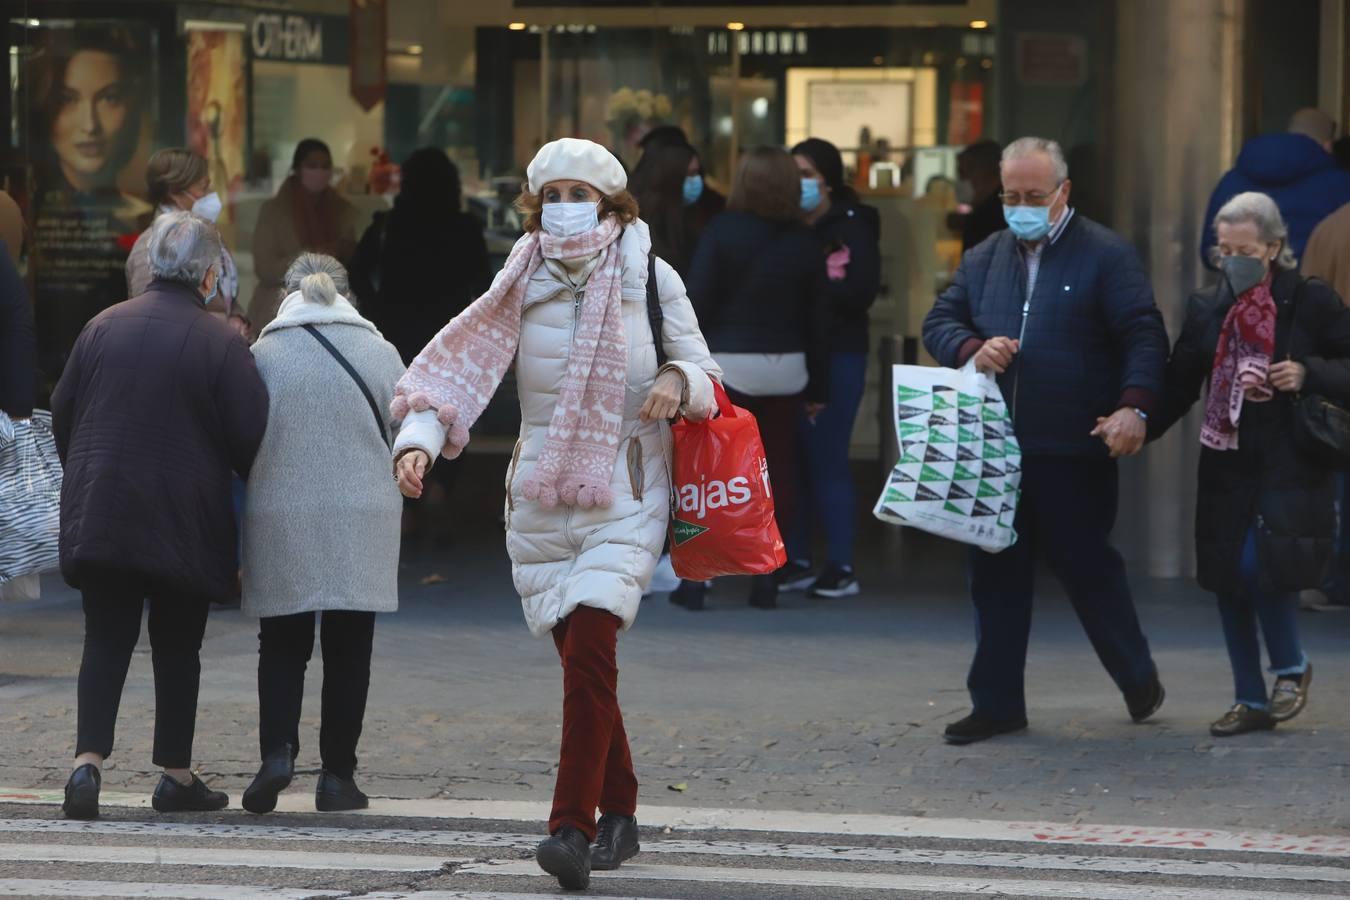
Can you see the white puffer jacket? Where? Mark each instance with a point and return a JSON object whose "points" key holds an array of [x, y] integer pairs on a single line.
{"points": [[564, 557]]}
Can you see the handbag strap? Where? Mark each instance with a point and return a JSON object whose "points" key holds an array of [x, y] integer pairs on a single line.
{"points": [[654, 314], [351, 370]]}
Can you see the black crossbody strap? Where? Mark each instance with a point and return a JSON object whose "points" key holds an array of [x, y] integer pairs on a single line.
{"points": [[351, 370], [654, 314]]}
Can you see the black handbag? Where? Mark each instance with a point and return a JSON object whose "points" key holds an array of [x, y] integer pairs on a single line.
{"points": [[1321, 428]]}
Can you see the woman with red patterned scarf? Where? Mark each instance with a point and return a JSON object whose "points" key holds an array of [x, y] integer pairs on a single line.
{"points": [[1265, 515]]}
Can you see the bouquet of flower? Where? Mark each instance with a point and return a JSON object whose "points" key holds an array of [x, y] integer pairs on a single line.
{"points": [[631, 114]]}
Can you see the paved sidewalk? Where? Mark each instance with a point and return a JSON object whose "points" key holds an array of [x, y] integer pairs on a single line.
{"points": [[820, 706]]}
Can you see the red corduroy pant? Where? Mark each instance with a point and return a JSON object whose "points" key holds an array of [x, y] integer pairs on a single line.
{"points": [[595, 767]]}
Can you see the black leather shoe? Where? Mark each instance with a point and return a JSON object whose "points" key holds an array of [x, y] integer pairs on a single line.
{"points": [[274, 776], [689, 595], [566, 856], [975, 728], [170, 796], [82, 793], [336, 794], [1145, 701], [616, 842]]}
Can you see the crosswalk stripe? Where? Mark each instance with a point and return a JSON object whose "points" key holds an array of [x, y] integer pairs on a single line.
{"points": [[977, 858], [788, 822], [931, 884], [204, 856], [40, 887]]}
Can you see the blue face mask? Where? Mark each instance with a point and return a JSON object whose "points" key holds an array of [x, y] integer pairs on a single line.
{"points": [[693, 189], [810, 194], [1030, 223]]}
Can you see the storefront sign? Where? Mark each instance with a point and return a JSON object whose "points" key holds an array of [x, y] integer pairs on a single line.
{"points": [[369, 25], [286, 37]]}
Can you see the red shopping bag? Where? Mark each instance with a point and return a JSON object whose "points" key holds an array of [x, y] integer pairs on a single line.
{"points": [[721, 520]]}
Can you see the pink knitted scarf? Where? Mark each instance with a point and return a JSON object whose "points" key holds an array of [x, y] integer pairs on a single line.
{"points": [[459, 371]]}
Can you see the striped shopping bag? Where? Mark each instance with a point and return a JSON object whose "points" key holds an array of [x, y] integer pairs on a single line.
{"points": [[30, 496]]}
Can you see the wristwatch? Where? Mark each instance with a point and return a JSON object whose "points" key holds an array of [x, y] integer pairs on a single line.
{"points": [[1139, 412]]}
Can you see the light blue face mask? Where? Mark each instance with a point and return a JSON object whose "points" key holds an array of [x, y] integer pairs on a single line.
{"points": [[810, 194], [693, 189], [1030, 223]]}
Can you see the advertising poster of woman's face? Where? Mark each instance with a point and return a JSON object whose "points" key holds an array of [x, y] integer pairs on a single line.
{"points": [[87, 89]]}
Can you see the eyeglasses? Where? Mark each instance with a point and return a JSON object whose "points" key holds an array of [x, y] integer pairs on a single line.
{"points": [[1030, 198]]}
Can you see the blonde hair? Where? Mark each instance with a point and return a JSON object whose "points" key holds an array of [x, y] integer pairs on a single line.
{"points": [[318, 277], [172, 170]]}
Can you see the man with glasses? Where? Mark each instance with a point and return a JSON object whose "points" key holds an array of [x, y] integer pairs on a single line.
{"points": [[1060, 309]]}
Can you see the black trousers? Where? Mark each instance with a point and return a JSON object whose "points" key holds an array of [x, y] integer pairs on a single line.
{"points": [[1065, 516], [112, 625], [285, 644]]}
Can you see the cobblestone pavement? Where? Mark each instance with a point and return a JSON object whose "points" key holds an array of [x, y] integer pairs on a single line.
{"points": [[833, 706]]}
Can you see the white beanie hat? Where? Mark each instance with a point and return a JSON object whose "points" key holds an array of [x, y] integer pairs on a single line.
{"points": [[574, 159]]}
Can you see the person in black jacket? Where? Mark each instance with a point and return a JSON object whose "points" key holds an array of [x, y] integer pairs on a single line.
{"points": [[702, 202], [668, 183], [848, 233], [1265, 521], [758, 285], [978, 167], [1062, 311], [159, 403], [423, 262]]}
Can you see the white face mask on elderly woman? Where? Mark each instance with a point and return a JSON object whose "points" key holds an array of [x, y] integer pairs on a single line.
{"points": [[567, 219]]}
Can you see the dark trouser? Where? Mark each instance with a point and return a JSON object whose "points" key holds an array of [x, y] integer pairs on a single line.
{"points": [[1277, 613], [1066, 513], [285, 644], [594, 766], [827, 484], [112, 625], [777, 418]]}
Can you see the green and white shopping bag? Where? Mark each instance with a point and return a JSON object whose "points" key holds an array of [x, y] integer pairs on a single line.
{"points": [[960, 467]]}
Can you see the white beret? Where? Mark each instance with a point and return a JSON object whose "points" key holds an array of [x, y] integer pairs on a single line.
{"points": [[574, 159]]}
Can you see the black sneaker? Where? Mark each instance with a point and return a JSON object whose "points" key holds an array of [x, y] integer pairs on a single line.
{"points": [[337, 794], [976, 728], [616, 842], [171, 796], [1145, 701], [835, 581], [566, 855], [796, 575], [82, 793], [274, 776]]}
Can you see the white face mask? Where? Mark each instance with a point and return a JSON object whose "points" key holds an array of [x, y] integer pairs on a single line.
{"points": [[208, 207], [567, 219]]}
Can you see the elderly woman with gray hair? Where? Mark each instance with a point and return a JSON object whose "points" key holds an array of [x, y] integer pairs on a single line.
{"points": [[149, 439], [1265, 516], [321, 526]]}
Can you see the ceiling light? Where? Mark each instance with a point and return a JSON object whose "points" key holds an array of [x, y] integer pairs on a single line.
{"points": [[516, 26], [414, 49], [735, 26], [979, 24]]}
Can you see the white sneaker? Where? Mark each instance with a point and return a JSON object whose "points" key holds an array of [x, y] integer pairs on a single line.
{"points": [[664, 579]]}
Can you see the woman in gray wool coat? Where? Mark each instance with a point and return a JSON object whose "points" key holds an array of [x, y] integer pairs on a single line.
{"points": [[321, 525]]}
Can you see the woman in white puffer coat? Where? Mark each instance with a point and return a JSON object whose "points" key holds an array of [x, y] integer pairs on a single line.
{"points": [[588, 488]]}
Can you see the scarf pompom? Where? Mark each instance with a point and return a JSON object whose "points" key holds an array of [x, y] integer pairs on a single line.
{"points": [[399, 408], [593, 496], [546, 495]]}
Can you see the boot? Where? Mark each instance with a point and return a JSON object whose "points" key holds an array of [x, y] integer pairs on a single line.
{"points": [[566, 855], [616, 842]]}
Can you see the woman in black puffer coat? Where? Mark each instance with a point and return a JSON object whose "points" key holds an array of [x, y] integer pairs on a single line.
{"points": [[1265, 516]]}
